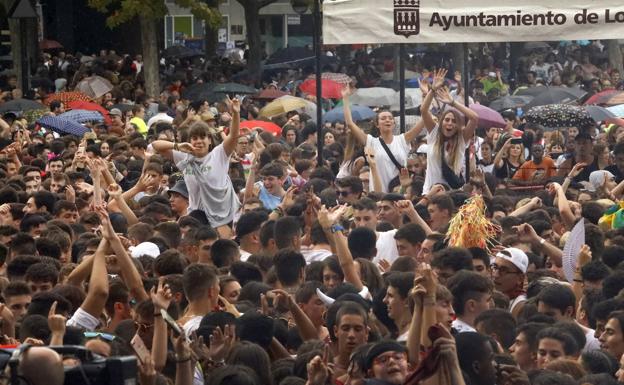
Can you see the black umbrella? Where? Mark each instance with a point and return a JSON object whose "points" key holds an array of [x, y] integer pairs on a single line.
{"points": [[555, 95], [199, 91], [560, 115], [233, 88], [63, 126], [290, 54], [510, 102], [179, 51], [21, 105], [122, 107]]}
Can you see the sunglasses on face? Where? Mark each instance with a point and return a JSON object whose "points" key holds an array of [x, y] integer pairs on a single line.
{"points": [[343, 193], [104, 336]]}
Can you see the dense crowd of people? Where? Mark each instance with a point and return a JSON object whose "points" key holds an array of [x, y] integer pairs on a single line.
{"points": [[218, 254]]}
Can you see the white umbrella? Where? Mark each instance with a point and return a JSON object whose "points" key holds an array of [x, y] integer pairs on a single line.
{"points": [[94, 86], [375, 97], [617, 110]]}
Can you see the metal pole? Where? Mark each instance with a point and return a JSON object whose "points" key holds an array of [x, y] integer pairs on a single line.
{"points": [[402, 88], [319, 101], [24, 54], [466, 71]]}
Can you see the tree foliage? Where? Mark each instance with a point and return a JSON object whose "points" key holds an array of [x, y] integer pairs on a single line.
{"points": [[122, 11]]}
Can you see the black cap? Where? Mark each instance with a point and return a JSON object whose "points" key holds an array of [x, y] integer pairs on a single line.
{"points": [[380, 348]]}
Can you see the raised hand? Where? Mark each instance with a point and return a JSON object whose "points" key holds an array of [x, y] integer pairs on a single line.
{"points": [[439, 77], [576, 170], [147, 371], [221, 342], [235, 105], [370, 156], [186, 147], [318, 368], [443, 96], [56, 322], [423, 84], [70, 193], [405, 178], [584, 257], [346, 92], [114, 191], [161, 296]]}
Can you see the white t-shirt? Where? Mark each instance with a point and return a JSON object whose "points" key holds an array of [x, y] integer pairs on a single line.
{"points": [[433, 175], [191, 325], [386, 247], [213, 166], [386, 169], [244, 255], [315, 255], [83, 320]]}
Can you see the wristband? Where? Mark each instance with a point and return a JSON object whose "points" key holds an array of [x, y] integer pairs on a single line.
{"points": [[578, 280], [336, 228], [157, 315], [175, 146], [542, 241], [181, 360]]}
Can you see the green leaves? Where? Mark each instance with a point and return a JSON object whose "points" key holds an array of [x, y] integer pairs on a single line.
{"points": [[123, 11]]}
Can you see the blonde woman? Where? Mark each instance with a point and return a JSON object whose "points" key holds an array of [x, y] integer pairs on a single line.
{"points": [[447, 139], [509, 159]]}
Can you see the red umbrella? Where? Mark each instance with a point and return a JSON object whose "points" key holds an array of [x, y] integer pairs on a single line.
{"points": [[615, 99], [266, 126], [602, 97], [67, 97], [269, 94], [46, 44], [81, 105], [335, 76], [329, 88]]}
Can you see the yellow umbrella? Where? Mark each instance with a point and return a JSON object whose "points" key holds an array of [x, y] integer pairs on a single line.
{"points": [[282, 105]]}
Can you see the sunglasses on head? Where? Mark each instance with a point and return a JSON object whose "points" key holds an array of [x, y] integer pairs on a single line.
{"points": [[104, 336]]}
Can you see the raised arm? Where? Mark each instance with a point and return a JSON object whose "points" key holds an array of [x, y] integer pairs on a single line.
{"points": [[231, 140], [471, 116], [98, 284], [372, 163], [355, 131], [414, 131], [428, 94], [499, 159]]}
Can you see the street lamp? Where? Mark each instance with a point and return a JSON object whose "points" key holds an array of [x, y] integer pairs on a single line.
{"points": [[300, 7]]}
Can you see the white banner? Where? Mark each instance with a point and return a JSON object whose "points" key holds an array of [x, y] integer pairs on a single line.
{"points": [[448, 21]]}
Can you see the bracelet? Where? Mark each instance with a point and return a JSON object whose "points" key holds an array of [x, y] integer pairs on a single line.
{"points": [[157, 315], [181, 360], [336, 228], [578, 280], [175, 146], [542, 241]]}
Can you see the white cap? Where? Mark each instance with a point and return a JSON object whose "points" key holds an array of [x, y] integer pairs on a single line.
{"points": [[515, 256], [145, 248], [422, 149]]}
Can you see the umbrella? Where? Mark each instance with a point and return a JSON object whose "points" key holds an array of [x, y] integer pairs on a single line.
{"points": [[488, 117], [510, 102], [617, 110], [63, 126], [554, 95], [80, 105], [46, 44], [413, 97], [559, 115], [94, 86], [82, 116], [179, 51], [334, 76], [375, 97], [600, 114], [602, 97], [269, 94], [233, 88], [615, 99], [289, 54], [20, 105], [358, 112], [329, 88], [533, 45], [122, 107], [266, 126], [67, 97], [198, 91], [283, 105]]}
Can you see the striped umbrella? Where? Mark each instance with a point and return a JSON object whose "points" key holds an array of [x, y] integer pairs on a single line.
{"points": [[63, 126], [282, 105], [83, 116], [333, 76], [80, 105], [67, 97]]}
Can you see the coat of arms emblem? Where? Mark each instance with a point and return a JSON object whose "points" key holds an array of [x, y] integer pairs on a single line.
{"points": [[406, 17]]}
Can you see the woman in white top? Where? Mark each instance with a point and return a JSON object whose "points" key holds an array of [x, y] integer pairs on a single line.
{"points": [[449, 136], [399, 145]]}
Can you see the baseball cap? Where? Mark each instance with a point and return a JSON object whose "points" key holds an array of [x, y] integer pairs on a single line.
{"points": [[115, 112], [180, 188], [515, 256], [145, 248]]}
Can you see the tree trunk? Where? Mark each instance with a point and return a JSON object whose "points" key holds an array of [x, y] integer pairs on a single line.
{"points": [[150, 56], [252, 23], [615, 54], [211, 35]]}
